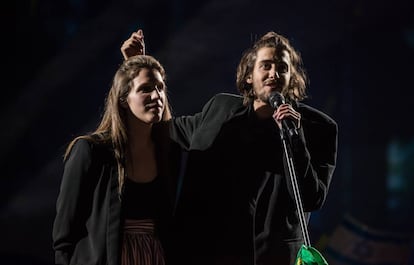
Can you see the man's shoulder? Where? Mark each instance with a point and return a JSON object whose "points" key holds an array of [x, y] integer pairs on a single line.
{"points": [[228, 97], [223, 106], [226, 101], [315, 115]]}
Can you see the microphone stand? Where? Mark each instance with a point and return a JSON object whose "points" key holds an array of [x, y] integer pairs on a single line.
{"points": [[296, 192]]}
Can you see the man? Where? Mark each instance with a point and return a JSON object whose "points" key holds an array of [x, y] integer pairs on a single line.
{"points": [[236, 204]]}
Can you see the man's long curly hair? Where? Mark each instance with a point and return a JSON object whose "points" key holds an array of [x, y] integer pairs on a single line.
{"points": [[296, 90]]}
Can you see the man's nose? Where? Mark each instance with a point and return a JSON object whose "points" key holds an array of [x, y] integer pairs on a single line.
{"points": [[273, 74]]}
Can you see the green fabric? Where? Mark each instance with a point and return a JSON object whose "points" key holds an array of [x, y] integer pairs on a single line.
{"points": [[309, 256]]}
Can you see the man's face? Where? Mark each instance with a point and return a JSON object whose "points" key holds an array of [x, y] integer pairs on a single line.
{"points": [[271, 72]]}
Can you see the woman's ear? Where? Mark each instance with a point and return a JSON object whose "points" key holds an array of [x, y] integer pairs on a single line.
{"points": [[123, 103]]}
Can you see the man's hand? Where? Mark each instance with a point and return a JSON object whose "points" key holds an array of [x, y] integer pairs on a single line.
{"points": [[286, 111], [135, 45]]}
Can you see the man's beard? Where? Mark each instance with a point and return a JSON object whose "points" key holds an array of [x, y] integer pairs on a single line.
{"points": [[263, 97]]}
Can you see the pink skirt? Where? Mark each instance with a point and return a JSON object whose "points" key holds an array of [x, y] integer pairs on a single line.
{"points": [[141, 245]]}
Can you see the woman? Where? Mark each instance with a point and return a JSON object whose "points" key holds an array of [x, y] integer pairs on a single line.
{"points": [[114, 202]]}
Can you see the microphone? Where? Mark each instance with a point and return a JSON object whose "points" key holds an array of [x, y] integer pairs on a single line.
{"points": [[275, 100]]}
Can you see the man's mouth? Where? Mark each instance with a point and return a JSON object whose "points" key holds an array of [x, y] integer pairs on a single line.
{"points": [[272, 85]]}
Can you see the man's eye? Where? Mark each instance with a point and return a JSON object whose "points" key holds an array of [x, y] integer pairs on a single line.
{"points": [[267, 66], [282, 68]]}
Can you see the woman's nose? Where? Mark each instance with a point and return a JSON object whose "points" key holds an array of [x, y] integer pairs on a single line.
{"points": [[156, 93]]}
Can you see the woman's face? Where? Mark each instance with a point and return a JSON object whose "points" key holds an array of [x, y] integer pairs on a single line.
{"points": [[146, 99]]}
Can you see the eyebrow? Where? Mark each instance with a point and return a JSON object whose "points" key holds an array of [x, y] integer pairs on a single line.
{"points": [[152, 83], [268, 61], [276, 61], [144, 84]]}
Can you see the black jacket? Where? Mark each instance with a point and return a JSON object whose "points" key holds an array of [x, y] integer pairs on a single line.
{"points": [[235, 197], [87, 228]]}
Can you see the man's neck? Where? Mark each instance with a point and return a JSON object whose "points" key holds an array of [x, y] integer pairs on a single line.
{"points": [[262, 109]]}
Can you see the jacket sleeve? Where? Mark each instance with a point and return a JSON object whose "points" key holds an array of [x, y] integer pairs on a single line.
{"points": [[183, 128], [71, 211], [314, 156]]}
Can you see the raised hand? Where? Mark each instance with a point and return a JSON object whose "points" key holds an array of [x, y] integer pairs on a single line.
{"points": [[134, 45]]}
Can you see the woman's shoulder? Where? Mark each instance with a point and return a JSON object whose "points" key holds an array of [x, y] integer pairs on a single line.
{"points": [[91, 141], [92, 146]]}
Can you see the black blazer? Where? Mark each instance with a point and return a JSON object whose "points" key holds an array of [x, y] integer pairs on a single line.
{"points": [[86, 229], [218, 199], [88, 225]]}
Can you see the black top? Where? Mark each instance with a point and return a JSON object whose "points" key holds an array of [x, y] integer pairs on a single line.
{"points": [[143, 200]]}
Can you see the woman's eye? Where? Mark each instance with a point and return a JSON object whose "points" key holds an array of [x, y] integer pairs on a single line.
{"points": [[160, 87], [146, 89]]}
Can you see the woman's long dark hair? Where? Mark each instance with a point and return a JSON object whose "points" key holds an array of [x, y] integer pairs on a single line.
{"points": [[113, 127]]}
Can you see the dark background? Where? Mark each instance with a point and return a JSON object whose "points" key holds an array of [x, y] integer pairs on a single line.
{"points": [[358, 54]]}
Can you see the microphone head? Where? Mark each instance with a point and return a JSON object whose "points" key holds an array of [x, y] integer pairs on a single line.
{"points": [[276, 99]]}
